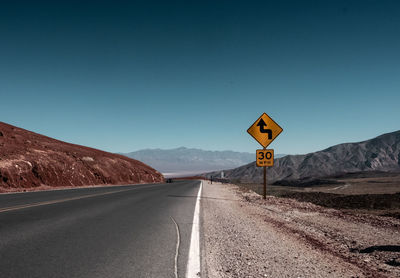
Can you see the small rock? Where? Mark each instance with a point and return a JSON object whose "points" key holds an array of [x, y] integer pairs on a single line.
{"points": [[87, 158]]}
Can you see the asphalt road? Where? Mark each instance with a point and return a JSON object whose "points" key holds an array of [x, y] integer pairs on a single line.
{"points": [[121, 231]]}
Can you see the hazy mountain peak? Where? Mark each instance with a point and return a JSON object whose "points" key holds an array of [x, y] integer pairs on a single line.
{"points": [[191, 160]]}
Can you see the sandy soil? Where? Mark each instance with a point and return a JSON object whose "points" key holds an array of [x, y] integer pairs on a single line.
{"points": [[245, 236]]}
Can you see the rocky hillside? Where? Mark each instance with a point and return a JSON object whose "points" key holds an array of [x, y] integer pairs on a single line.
{"points": [[379, 154], [30, 160]]}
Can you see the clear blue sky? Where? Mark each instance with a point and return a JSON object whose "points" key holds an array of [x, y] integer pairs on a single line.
{"points": [[123, 76]]}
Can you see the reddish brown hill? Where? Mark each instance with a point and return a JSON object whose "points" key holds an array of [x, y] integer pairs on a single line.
{"points": [[29, 160]]}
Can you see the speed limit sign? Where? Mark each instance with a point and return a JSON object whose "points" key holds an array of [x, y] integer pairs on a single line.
{"points": [[265, 158]]}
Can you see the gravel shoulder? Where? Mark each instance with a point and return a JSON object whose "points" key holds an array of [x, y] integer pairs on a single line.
{"points": [[245, 236]]}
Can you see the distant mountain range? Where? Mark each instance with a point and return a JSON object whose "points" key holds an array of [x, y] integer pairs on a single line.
{"points": [[378, 154], [185, 161]]}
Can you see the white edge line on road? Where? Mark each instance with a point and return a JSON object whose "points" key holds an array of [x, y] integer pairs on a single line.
{"points": [[178, 241], [193, 264]]}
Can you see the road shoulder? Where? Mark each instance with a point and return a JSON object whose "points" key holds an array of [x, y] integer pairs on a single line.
{"points": [[243, 236]]}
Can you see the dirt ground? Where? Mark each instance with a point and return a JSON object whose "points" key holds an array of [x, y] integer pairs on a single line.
{"points": [[246, 236], [388, 183], [368, 193]]}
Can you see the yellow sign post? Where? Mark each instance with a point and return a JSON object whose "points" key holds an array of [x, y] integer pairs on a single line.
{"points": [[264, 130]]}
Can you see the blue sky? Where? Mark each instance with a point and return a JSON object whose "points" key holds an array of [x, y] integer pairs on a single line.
{"points": [[128, 75]]}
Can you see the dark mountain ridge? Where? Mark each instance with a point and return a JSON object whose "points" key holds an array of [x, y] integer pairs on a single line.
{"points": [[378, 154]]}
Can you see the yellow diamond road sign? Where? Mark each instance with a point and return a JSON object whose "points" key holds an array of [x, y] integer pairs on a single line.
{"points": [[264, 130]]}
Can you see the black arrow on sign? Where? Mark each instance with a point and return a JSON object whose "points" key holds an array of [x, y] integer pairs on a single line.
{"points": [[262, 126]]}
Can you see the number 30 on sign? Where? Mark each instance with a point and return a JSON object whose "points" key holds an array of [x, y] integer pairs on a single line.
{"points": [[265, 158]]}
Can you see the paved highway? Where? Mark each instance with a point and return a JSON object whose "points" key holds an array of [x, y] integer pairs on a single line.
{"points": [[121, 231]]}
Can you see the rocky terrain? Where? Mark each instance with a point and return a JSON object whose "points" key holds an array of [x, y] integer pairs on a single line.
{"points": [[246, 236], [378, 154], [32, 161]]}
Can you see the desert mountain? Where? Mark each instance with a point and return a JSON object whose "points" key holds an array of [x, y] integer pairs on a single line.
{"points": [[378, 154], [184, 160], [30, 160]]}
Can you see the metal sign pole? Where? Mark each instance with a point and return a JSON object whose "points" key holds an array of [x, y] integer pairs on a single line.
{"points": [[265, 181]]}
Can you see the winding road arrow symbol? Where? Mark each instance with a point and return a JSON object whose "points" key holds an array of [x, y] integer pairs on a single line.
{"points": [[264, 130], [262, 126]]}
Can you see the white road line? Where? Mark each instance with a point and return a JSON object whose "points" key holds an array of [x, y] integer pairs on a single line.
{"points": [[17, 207], [193, 265], [178, 240], [74, 188]]}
